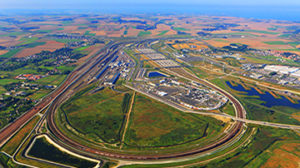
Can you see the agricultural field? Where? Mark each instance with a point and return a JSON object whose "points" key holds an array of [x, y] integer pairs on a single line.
{"points": [[38, 47]]}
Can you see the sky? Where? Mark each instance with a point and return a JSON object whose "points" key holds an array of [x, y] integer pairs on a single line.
{"points": [[80, 4], [260, 9]]}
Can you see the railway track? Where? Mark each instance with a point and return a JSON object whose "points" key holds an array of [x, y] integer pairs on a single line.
{"points": [[82, 149]]}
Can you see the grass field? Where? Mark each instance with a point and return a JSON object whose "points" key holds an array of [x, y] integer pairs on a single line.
{"points": [[243, 34], [7, 162], [88, 33], [51, 80], [228, 109], [11, 53], [144, 33], [66, 40], [81, 48], [275, 42], [153, 124], [27, 40], [259, 151], [39, 94], [262, 32], [163, 33], [98, 116], [180, 29]]}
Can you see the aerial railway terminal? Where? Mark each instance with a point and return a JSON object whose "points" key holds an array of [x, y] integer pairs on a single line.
{"points": [[97, 69]]}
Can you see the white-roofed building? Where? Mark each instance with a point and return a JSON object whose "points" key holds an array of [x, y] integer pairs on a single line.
{"points": [[281, 69]]}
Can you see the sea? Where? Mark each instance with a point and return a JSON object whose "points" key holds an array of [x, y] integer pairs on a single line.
{"points": [[283, 12]]}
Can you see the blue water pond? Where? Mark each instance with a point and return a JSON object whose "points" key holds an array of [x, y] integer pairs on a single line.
{"points": [[267, 98], [155, 74]]}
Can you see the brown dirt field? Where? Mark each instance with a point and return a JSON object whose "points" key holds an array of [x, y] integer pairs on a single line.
{"points": [[217, 43], [171, 32], [296, 116], [132, 32], [47, 27], [7, 41], [258, 43], [291, 147], [159, 29], [282, 158], [3, 52], [49, 46], [147, 132], [224, 119], [99, 32], [70, 28]]}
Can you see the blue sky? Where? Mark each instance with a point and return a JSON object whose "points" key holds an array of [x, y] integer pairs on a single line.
{"points": [[52, 4]]}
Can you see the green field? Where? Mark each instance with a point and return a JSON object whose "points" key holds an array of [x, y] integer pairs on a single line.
{"points": [[243, 34], [153, 124], [66, 40], [163, 33], [42, 148], [262, 32], [82, 48], [11, 53], [87, 33], [144, 33], [228, 109], [26, 40], [98, 116], [7, 162], [294, 44], [12, 34], [51, 80], [180, 29], [275, 42]]}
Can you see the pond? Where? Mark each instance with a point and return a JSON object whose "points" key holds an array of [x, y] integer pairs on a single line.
{"points": [[155, 74], [267, 98]]}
